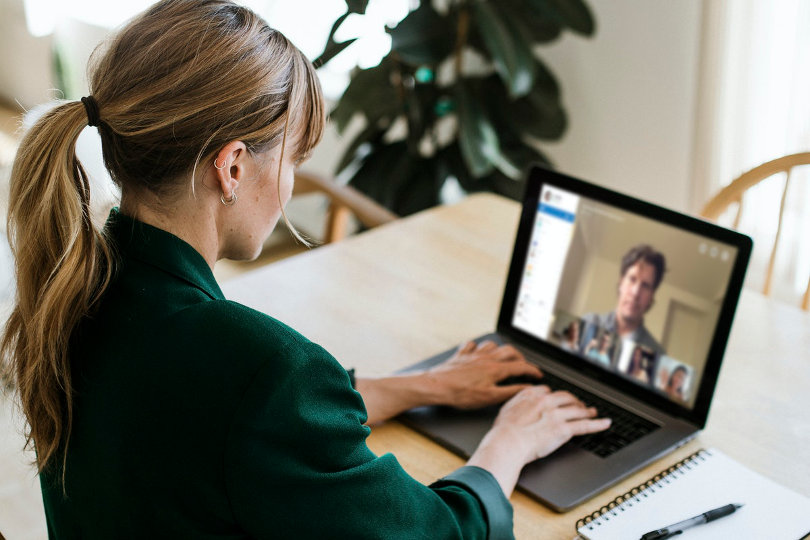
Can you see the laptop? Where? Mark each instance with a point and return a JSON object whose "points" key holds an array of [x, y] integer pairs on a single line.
{"points": [[626, 304]]}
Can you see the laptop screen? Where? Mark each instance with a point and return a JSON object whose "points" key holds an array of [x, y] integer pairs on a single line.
{"points": [[631, 295]]}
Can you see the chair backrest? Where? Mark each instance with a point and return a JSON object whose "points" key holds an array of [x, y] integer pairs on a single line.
{"points": [[733, 194], [343, 202]]}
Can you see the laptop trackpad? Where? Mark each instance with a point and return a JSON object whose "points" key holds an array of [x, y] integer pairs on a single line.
{"points": [[459, 430]]}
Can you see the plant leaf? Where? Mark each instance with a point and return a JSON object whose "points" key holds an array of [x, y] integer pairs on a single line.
{"points": [[328, 49], [451, 163], [332, 49], [370, 92], [540, 28], [523, 156], [398, 180], [511, 55], [357, 6], [540, 114], [478, 138], [421, 188], [424, 36], [383, 172], [420, 105], [474, 133], [369, 135], [503, 185], [571, 13], [529, 25]]}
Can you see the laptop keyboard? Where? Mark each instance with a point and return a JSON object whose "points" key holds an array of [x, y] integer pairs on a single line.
{"points": [[625, 427]]}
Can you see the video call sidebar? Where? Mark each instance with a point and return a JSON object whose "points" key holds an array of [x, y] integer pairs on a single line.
{"points": [[550, 242]]}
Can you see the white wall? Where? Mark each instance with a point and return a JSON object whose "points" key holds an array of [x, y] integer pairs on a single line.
{"points": [[630, 92]]}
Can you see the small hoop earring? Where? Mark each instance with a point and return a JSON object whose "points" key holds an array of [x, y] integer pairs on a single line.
{"points": [[229, 201], [224, 163]]}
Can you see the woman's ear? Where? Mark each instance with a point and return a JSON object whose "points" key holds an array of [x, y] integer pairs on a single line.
{"points": [[230, 167]]}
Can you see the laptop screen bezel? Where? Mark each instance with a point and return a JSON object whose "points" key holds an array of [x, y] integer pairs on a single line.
{"points": [[538, 176]]}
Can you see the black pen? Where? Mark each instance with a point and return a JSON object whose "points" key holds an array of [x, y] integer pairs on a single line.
{"points": [[681, 526]]}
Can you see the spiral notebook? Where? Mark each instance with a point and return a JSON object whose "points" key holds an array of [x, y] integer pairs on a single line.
{"points": [[705, 480]]}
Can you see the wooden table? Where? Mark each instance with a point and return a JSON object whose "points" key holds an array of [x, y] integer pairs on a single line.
{"points": [[402, 292]]}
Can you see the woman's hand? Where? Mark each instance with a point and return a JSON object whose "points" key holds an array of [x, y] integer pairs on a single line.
{"points": [[469, 379], [544, 420], [532, 425]]}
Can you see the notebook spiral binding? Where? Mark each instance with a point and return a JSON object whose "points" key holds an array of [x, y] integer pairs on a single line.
{"points": [[642, 490]]}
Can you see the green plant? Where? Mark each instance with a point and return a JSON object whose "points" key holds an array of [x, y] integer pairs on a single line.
{"points": [[461, 94]]}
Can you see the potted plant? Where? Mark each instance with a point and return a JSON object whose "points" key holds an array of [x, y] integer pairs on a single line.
{"points": [[462, 95]]}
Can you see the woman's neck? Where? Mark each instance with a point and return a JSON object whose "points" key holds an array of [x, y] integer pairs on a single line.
{"points": [[187, 220]]}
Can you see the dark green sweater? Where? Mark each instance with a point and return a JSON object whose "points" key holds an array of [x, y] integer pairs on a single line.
{"points": [[197, 417]]}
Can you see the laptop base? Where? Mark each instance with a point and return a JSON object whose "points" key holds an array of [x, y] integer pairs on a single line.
{"points": [[561, 481]]}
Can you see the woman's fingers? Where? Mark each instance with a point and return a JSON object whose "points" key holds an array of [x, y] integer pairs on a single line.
{"points": [[576, 419], [523, 407], [568, 413], [541, 400], [585, 426], [488, 350], [507, 352], [503, 393], [560, 398], [486, 346], [517, 368]]}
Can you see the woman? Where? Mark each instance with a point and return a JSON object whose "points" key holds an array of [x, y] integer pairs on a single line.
{"points": [[160, 409]]}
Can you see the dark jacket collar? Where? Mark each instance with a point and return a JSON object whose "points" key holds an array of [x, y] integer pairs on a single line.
{"points": [[162, 250]]}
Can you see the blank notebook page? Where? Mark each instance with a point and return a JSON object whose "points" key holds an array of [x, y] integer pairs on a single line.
{"points": [[708, 480]]}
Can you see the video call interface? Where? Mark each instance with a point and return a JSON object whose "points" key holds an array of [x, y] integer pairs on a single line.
{"points": [[629, 294]]}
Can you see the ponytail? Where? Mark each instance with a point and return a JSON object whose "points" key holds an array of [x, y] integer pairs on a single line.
{"points": [[62, 265]]}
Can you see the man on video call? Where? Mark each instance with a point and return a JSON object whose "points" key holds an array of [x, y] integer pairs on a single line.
{"points": [[642, 269]]}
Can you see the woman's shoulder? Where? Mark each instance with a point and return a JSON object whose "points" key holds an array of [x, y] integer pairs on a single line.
{"points": [[224, 328], [239, 319]]}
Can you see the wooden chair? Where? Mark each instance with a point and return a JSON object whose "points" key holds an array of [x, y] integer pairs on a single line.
{"points": [[733, 194], [343, 202]]}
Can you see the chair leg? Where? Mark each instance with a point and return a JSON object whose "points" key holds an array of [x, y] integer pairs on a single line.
{"points": [[337, 223]]}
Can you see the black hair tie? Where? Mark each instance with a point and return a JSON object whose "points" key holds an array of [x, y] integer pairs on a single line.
{"points": [[91, 107]]}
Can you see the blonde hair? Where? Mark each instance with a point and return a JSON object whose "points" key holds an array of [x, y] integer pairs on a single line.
{"points": [[172, 88]]}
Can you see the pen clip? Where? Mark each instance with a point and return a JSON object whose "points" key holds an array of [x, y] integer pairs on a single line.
{"points": [[660, 534]]}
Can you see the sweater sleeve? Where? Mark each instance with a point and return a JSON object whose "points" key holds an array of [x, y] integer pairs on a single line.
{"points": [[297, 465]]}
